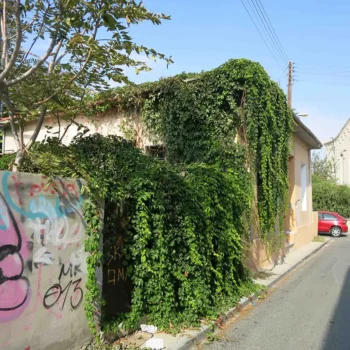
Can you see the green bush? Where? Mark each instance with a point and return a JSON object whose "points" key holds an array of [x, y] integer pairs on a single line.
{"points": [[196, 115], [183, 244], [329, 196], [6, 160]]}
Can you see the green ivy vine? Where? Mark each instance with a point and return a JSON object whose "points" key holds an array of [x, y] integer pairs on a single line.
{"points": [[197, 115]]}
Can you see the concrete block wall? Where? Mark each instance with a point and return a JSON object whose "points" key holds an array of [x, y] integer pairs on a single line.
{"points": [[42, 263]]}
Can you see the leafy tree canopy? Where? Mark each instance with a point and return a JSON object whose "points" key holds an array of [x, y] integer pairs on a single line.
{"points": [[86, 43], [322, 167]]}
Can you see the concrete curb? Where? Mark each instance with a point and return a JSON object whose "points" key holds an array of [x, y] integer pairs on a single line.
{"points": [[200, 336], [297, 264]]}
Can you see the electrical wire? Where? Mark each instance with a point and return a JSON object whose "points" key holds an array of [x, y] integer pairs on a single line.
{"points": [[262, 37], [277, 40], [325, 74], [279, 79], [313, 66], [322, 82], [264, 24]]}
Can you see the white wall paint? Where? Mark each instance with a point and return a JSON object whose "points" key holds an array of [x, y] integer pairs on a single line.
{"points": [[338, 152], [110, 123]]}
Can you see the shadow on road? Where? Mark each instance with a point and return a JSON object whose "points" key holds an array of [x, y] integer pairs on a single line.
{"points": [[338, 335]]}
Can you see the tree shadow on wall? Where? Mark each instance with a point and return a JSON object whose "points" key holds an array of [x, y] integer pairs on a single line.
{"points": [[338, 335]]}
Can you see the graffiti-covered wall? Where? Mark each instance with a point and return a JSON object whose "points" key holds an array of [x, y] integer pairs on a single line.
{"points": [[42, 263]]}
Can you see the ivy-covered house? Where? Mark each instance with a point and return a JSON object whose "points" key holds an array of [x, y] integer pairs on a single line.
{"points": [[233, 115]]}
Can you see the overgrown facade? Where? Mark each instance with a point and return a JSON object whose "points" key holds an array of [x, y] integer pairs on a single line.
{"points": [[198, 117]]}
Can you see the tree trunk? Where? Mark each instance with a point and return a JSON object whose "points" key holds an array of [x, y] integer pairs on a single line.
{"points": [[18, 161]]}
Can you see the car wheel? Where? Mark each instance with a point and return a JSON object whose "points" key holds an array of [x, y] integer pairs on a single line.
{"points": [[336, 231]]}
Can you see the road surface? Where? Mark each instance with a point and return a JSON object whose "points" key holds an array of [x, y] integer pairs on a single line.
{"points": [[310, 309]]}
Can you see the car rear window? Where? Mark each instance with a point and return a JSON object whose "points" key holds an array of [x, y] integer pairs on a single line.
{"points": [[329, 217]]}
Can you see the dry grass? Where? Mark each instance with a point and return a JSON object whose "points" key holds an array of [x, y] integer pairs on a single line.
{"points": [[319, 239]]}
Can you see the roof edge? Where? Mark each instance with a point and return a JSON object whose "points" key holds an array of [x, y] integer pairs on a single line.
{"points": [[317, 143], [339, 133]]}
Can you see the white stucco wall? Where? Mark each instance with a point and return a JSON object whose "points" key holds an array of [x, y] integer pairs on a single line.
{"points": [[110, 123], [338, 152]]}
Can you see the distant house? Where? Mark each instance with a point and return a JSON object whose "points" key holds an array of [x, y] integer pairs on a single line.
{"points": [[338, 153]]}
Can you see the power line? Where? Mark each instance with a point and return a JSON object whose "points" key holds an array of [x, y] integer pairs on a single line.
{"points": [[256, 27], [267, 28], [273, 31], [322, 82], [325, 74], [313, 66], [322, 69], [283, 73]]}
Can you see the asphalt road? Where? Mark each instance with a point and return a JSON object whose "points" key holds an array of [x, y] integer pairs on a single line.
{"points": [[310, 309]]}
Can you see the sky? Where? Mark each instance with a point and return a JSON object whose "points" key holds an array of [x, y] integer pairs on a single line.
{"points": [[315, 35]]}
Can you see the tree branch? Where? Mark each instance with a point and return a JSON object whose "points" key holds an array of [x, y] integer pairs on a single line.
{"points": [[4, 35], [16, 49], [12, 113], [67, 84], [32, 70], [60, 57], [28, 25], [75, 76], [37, 128], [37, 36], [53, 62], [43, 108], [65, 131]]}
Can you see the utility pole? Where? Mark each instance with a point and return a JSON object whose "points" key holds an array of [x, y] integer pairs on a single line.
{"points": [[290, 83]]}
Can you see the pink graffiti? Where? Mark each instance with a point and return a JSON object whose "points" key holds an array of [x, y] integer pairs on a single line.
{"points": [[15, 289]]}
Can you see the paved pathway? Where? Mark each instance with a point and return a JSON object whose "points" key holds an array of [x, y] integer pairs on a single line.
{"points": [[310, 309]]}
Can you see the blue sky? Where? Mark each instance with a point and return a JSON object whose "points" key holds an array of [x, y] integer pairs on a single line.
{"points": [[315, 35]]}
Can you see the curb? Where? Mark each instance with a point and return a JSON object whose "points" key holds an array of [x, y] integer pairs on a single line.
{"points": [[297, 264], [190, 342]]}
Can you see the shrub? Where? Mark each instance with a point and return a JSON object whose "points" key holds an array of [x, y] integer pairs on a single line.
{"points": [[6, 161], [329, 196], [182, 245]]}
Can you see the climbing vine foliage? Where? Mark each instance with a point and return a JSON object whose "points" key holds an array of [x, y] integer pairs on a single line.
{"points": [[183, 246], [202, 116], [226, 132]]}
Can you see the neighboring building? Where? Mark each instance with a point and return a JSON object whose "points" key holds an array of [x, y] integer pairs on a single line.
{"points": [[301, 222], [338, 153]]}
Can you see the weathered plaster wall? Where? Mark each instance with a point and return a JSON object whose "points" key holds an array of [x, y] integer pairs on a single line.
{"points": [[42, 263], [108, 123], [305, 234]]}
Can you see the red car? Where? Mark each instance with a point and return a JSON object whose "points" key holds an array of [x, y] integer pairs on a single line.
{"points": [[333, 223]]}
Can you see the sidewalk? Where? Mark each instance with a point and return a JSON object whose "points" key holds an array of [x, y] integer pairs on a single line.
{"points": [[188, 339]]}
